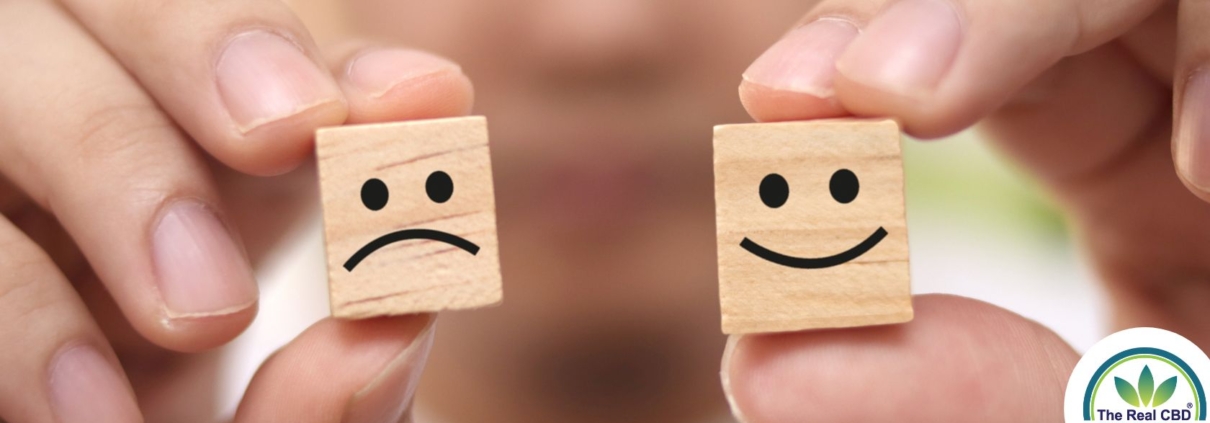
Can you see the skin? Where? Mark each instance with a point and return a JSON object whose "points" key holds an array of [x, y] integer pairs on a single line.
{"points": [[600, 115]]}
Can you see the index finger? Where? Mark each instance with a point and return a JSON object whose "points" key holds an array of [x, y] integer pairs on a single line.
{"points": [[242, 77], [936, 65]]}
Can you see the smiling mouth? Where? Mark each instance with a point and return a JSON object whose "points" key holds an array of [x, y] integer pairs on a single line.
{"points": [[405, 235], [814, 263]]}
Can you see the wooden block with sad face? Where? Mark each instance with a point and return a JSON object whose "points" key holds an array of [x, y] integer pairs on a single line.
{"points": [[811, 227], [409, 217]]}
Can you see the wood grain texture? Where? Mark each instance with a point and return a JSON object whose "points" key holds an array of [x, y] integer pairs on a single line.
{"points": [[757, 295], [414, 275]]}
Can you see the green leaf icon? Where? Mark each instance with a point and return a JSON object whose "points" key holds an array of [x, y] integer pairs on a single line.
{"points": [[1146, 386], [1126, 391], [1164, 391]]}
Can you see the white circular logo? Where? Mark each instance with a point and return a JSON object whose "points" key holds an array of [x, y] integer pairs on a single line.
{"points": [[1139, 374]]}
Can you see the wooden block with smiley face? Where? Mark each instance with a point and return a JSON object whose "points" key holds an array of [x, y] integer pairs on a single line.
{"points": [[811, 225], [409, 217]]}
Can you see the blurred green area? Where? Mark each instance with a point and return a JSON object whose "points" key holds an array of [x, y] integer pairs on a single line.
{"points": [[962, 180]]}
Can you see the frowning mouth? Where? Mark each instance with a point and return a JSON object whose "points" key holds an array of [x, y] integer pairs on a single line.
{"points": [[405, 235], [814, 263]]}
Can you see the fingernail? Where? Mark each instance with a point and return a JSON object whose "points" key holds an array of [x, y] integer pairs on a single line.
{"points": [[263, 77], [804, 61], [200, 269], [389, 394], [85, 387], [906, 49], [378, 71], [1193, 139], [725, 376]]}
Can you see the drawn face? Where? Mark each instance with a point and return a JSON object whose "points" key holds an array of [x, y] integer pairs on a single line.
{"points": [[409, 217], [375, 195], [811, 228], [844, 186]]}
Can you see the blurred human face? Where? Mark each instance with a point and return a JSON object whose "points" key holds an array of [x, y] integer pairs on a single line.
{"points": [[600, 115]]}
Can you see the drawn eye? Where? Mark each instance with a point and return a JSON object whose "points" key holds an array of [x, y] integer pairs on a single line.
{"points": [[844, 186], [439, 187], [774, 190], [374, 194]]}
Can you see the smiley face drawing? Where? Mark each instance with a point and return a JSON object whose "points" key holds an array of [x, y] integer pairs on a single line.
{"points": [[811, 230], [409, 217], [844, 187]]}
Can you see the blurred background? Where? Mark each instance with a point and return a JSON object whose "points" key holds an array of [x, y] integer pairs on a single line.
{"points": [[977, 227], [600, 117]]}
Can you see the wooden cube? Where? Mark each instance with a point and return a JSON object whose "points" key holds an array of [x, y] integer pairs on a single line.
{"points": [[409, 217], [811, 225]]}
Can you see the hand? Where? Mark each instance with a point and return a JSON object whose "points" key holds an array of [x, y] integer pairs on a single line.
{"points": [[1081, 94], [119, 250]]}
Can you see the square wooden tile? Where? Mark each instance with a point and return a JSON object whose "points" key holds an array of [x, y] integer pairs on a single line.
{"points": [[811, 225], [409, 217]]}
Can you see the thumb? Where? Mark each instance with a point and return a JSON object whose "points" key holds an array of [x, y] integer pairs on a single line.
{"points": [[960, 360], [342, 371]]}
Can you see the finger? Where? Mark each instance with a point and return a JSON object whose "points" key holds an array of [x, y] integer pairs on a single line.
{"points": [[379, 360], [937, 65], [1153, 43], [1191, 145], [1083, 119], [979, 363], [265, 210], [385, 84], [54, 363], [381, 84], [342, 371], [1096, 129], [134, 194], [242, 77]]}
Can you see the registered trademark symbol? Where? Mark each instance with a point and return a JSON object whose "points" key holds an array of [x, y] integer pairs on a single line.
{"points": [[1189, 405]]}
